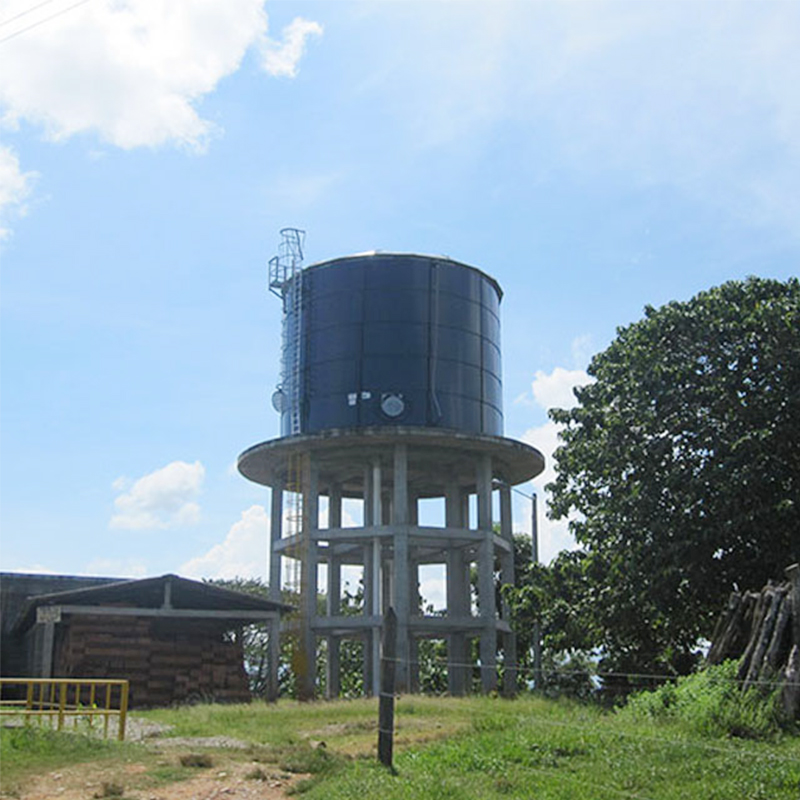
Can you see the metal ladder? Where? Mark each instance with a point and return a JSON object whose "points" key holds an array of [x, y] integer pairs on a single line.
{"points": [[286, 281]]}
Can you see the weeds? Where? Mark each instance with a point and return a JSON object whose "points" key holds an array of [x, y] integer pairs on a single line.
{"points": [[197, 760], [28, 749], [256, 774], [712, 703], [110, 790]]}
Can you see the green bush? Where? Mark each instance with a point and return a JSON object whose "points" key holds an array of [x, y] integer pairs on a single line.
{"points": [[712, 703]]}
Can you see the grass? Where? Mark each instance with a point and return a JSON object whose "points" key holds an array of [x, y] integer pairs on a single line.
{"points": [[531, 749], [28, 750], [455, 748], [350, 724]]}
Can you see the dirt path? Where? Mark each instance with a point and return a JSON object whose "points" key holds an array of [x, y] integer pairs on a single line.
{"points": [[87, 781], [231, 775]]}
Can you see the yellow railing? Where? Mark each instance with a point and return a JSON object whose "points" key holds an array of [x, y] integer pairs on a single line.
{"points": [[58, 700]]}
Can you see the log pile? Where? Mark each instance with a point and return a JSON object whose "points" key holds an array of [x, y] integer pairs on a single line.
{"points": [[762, 630], [165, 662]]}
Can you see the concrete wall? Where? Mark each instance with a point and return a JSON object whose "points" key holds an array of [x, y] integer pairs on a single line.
{"points": [[18, 655]]}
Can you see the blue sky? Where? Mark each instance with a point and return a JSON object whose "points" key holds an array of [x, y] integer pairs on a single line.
{"points": [[592, 157]]}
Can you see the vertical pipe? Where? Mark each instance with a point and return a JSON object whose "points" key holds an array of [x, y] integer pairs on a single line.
{"points": [[412, 676], [367, 578], [507, 577], [377, 520], [537, 634], [377, 493], [401, 600], [333, 607]]}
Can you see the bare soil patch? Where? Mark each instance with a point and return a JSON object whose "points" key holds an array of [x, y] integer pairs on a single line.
{"points": [[159, 775]]}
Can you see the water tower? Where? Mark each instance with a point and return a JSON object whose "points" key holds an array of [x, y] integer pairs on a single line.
{"points": [[390, 395]]}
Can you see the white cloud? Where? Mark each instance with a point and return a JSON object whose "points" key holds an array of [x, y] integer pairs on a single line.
{"points": [[15, 186], [556, 389], [433, 586], [161, 499], [280, 58], [243, 552], [553, 390], [133, 71]]}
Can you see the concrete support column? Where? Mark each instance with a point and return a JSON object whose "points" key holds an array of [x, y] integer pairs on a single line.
{"points": [[401, 600], [457, 594], [308, 580], [413, 508], [367, 496], [333, 603], [274, 626], [48, 648], [486, 597], [333, 607], [275, 533], [507, 576]]}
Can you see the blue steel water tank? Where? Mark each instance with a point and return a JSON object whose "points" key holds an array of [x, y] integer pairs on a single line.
{"points": [[391, 339]]}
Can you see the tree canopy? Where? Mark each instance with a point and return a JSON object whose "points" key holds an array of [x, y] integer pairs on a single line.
{"points": [[679, 468]]}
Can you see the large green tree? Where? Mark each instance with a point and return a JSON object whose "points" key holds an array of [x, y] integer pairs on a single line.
{"points": [[680, 469]]}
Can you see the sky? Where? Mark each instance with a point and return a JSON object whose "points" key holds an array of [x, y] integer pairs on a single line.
{"points": [[593, 157]]}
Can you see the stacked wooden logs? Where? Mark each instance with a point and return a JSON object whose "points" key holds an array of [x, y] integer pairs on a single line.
{"points": [[762, 630], [165, 662]]}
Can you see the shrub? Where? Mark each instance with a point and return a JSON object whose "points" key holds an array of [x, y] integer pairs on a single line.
{"points": [[712, 703], [198, 760]]}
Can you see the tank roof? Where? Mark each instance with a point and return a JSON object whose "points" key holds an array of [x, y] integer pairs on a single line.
{"points": [[329, 262]]}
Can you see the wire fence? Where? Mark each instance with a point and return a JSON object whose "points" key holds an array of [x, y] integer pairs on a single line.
{"points": [[649, 679]]}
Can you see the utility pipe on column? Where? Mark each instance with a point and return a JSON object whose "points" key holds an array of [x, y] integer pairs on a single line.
{"points": [[537, 634]]}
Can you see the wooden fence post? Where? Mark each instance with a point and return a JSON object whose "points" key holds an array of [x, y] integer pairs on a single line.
{"points": [[386, 700]]}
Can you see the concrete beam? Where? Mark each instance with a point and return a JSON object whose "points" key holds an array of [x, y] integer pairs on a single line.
{"points": [[169, 613]]}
